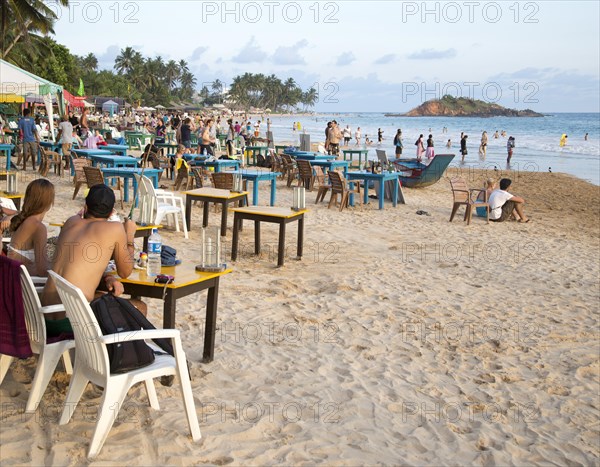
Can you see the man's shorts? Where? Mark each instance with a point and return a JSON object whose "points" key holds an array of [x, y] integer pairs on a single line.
{"points": [[507, 210]]}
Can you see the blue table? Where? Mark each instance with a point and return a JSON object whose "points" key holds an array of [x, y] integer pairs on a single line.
{"points": [[120, 149], [114, 161], [52, 146], [218, 165], [331, 165], [368, 177], [359, 152], [256, 176], [127, 173], [8, 149], [92, 152], [311, 156]]}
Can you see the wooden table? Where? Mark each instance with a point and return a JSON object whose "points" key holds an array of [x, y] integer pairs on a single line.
{"points": [[381, 178], [331, 165], [218, 165], [359, 152], [91, 152], [216, 196], [187, 281], [8, 149], [127, 173], [255, 176], [120, 149], [113, 161], [171, 148], [253, 151], [276, 215]]}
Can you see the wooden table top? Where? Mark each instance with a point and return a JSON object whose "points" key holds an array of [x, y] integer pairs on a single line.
{"points": [[272, 211], [214, 193], [185, 274]]}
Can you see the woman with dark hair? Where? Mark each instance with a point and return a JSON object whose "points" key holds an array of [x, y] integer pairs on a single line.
{"points": [[398, 143], [420, 147], [430, 154], [29, 234]]}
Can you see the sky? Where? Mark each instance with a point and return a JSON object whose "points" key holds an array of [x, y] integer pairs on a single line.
{"points": [[364, 56]]}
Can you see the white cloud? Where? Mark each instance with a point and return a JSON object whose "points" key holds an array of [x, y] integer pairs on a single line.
{"points": [[250, 53], [345, 59], [432, 54]]}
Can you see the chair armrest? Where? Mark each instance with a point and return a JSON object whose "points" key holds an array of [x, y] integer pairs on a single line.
{"points": [[143, 334], [52, 309]]}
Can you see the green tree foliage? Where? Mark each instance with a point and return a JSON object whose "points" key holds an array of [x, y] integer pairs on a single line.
{"points": [[258, 90]]}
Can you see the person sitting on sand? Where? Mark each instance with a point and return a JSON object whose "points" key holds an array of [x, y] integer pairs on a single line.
{"points": [[28, 233], [503, 204], [86, 244]]}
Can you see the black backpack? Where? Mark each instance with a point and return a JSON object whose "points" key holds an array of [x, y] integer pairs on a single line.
{"points": [[115, 315]]}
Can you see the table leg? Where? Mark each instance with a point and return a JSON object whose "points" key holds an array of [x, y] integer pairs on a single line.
{"points": [[169, 307], [395, 197], [126, 188], [273, 192], [188, 212], [237, 222], [257, 238], [300, 246], [224, 205], [210, 328], [381, 193], [351, 196], [281, 246], [366, 196], [205, 209], [255, 192]]}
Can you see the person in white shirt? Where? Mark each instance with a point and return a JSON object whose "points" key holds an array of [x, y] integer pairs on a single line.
{"points": [[504, 204]]}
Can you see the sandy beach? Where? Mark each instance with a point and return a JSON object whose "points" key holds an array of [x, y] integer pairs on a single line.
{"points": [[398, 339]]}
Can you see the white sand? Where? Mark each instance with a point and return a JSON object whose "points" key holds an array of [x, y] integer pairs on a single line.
{"points": [[398, 339]]}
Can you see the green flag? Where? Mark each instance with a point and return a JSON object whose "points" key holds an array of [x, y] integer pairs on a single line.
{"points": [[81, 92]]}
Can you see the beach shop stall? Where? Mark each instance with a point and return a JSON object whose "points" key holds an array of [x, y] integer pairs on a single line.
{"points": [[18, 83]]}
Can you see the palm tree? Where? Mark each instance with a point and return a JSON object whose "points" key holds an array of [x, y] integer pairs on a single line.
{"points": [[188, 85], [90, 62], [171, 73], [23, 17], [126, 59]]}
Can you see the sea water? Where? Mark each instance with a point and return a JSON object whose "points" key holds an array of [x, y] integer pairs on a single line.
{"points": [[536, 138]]}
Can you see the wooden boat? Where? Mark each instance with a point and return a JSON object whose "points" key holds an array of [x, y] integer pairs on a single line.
{"points": [[415, 174]]}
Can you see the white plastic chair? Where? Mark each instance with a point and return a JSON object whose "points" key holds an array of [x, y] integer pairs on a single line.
{"points": [[155, 204], [91, 364], [49, 354]]}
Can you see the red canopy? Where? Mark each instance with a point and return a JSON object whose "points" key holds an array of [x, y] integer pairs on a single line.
{"points": [[72, 100]]}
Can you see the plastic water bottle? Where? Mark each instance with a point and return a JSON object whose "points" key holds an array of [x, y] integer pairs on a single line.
{"points": [[154, 249]]}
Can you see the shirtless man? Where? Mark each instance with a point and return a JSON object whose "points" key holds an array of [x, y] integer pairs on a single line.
{"points": [[85, 246]]}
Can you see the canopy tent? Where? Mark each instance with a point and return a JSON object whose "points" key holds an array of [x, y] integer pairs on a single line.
{"points": [[15, 81], [111, 107], [160, 107], [72, 100]]}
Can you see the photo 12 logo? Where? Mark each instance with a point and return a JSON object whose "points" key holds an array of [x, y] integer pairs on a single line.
{"points": [[270, 12], [490, 92], [93, 12], [254, 411], [471, 12]]}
